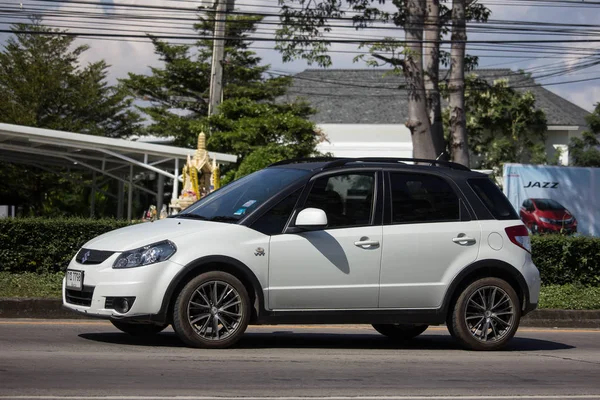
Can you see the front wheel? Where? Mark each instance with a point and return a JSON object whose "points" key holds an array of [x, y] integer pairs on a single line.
{"points": [[212, 311], [400, 331], [486, 315], [141, 329]]}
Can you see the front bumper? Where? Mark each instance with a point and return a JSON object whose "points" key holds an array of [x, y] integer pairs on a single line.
{"points": [[552, 228], [148, 284]]}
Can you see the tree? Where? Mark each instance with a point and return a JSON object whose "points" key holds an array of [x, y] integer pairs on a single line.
{"points": [[585, 151], [458, 125], [301, 37], [503, 124], [249, 119], [43, 84]]}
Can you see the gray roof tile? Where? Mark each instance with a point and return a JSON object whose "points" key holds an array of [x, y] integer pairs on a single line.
{"points": [[371, 96]]}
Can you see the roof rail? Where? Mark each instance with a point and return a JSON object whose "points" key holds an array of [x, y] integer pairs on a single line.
{"points": [[344, 161], [339, 161], [304, 159]]}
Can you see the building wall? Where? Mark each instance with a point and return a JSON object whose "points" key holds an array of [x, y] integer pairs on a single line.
{"points": [[386, 140], [558, 138], [362, 140]]}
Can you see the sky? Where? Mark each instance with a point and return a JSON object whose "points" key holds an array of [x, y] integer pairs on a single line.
{"points": [[137, 55]]}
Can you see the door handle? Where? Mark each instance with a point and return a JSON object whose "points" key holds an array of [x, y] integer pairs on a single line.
{"points": [[463, 240], [366, 244]]}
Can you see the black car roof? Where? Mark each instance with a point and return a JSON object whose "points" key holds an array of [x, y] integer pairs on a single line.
{"points": [[320, 164]]}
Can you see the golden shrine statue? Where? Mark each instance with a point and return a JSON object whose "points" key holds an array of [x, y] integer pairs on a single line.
{"points": [[200, 177]]}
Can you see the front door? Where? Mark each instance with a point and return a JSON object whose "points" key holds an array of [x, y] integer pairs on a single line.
{"points": [[337, 267]]}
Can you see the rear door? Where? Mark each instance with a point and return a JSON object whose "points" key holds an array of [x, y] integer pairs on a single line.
{"points": [[428, 237]]}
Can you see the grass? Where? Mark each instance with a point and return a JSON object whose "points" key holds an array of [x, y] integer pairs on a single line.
{"points": [[571, 297], [29, 284]]}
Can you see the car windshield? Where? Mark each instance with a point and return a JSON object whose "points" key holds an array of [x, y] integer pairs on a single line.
{"points": [[236, 200], [548, 205]]}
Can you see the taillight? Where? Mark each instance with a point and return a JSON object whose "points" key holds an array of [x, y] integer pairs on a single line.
{"points": [[519, 236]]}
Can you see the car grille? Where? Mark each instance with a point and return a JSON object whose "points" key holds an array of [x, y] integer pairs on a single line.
{"points": [[91, 257], [80, 298], [561, 222]]}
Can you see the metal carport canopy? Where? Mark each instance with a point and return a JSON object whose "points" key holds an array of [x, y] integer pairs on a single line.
{"points": [[119, 159]]}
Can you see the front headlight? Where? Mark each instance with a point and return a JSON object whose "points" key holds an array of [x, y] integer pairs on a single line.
{"points": [[146, 255], [546, 220]]}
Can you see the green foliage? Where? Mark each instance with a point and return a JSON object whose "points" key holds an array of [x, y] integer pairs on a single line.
{"points": [[564, 259], [570, 297], [262, 133], [30, 284], [585, 151], [503, 124], [46, 245], [248, 120]]}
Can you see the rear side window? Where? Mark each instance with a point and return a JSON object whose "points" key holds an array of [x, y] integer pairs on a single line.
{"points": [[494, 200], [422, 198]]}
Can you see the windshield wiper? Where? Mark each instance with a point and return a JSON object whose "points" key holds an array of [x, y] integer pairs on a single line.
{"points": [[190, 216], [224, 218]]}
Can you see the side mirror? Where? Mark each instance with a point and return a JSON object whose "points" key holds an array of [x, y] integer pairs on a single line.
{"points": [[311, 219]]}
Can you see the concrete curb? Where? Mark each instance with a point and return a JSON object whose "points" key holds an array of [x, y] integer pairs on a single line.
{"points": [[52, 309]]}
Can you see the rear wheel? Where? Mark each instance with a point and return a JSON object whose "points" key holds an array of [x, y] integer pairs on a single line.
{"points": [[212, 311], [400, 331], [138, 329], [486, 315]]}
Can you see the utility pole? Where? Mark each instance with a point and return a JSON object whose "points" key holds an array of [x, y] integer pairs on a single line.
{"points": [[216, 75]]}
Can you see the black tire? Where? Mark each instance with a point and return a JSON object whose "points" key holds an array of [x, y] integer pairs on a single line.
{"points": [[489, 327], [400, 331], [222, 337], [141, 329]]}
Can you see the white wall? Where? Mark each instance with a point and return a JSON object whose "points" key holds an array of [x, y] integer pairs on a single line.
{"points": [[363, 140]]}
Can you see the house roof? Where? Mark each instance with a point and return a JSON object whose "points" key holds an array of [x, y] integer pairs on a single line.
{"points": [[371, 96]]}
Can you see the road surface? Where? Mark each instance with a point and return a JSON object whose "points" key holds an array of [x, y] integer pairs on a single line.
{"points": [[57, 359]]}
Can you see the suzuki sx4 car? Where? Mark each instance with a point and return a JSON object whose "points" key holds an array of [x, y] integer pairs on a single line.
{"points": [[397, 245]]}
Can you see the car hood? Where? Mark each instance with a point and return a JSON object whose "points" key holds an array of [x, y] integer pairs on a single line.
{"points": [[142, 234], [554, 214]]}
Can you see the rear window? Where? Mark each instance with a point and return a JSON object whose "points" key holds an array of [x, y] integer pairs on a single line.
{"points": [[494, 200]]}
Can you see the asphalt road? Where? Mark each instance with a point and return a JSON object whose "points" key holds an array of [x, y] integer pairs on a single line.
{"points": [[57, 359]]}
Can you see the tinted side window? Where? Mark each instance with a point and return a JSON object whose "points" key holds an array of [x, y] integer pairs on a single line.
{"points": [[346, 199], [422, 198], [494, 200], [274, 220]]}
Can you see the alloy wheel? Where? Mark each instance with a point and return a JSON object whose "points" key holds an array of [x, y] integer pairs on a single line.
{"points": [[489, 314], [215, 310]]}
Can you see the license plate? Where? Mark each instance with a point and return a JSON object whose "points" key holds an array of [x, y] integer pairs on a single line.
{"points": [[74, 280]]}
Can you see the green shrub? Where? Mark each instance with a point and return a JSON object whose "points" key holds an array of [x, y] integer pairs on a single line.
{"points": [[565, 259], [46, 245]]}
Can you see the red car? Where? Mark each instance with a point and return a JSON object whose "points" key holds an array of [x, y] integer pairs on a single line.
{"points": [[547, 216]]}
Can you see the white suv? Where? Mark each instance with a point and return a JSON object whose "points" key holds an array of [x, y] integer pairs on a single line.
{"points": [[374, 241]]}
